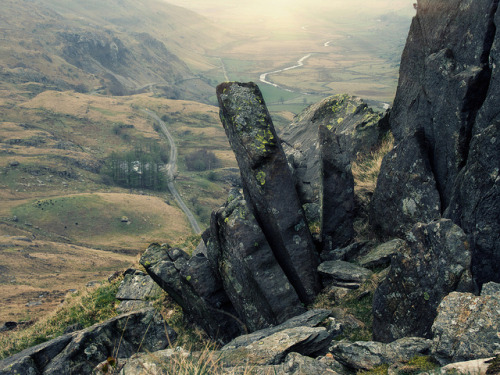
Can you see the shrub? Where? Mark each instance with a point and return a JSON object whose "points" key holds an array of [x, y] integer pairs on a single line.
{"points": [[202, 160]]}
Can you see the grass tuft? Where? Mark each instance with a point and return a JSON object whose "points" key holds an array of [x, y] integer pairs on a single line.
{"points": [[83, 308]]}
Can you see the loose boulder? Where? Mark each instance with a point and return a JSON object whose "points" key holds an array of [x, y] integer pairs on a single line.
{"points": [[467, 327], [79, 352]]}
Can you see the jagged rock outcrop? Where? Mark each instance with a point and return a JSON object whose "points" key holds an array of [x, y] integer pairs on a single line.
{"points": [[343, 274], [194, 285], [467, 326], [268, 184], [320, 144], [445, 119], [365, 355], [79, 352], [434, 263], [252, 277]]}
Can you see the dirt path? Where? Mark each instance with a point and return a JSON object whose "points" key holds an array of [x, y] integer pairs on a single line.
{"points": [[171, 169]]}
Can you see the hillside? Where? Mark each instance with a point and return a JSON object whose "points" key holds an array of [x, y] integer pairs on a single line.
{"points": [[65, 45]]}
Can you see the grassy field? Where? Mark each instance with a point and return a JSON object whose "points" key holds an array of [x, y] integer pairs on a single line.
{"points": [[61, 225]]}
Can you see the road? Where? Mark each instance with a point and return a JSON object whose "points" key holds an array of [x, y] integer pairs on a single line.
{"points": [[171, 169]]}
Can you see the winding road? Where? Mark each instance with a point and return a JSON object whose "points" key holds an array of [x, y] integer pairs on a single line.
{"points": [[171, 169]]}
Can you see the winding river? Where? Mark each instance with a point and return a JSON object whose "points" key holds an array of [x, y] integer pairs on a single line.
{"points": [[263, 76]]}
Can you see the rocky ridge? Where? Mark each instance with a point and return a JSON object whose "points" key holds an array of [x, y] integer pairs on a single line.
{"points": [[258, 266]]}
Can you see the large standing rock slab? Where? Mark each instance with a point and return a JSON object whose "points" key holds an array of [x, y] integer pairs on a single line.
{"points": [[365, 355], [194, 285], [406, 191], [81, 351], [252, 278], [268, 184], [435, 262], [337, 191], [467, 327]]}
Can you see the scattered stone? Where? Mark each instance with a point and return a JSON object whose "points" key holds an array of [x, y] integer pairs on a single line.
{"points": [[310, 318], [467, 327], [93, 284], [8, 326], [14, 164], [365, 355], [434, 262], [268, 184], [381, 255], [474, 367], [80, 351], [343, 274]]}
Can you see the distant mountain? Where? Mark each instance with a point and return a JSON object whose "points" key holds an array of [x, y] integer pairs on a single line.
{"points": [[103, 46]]}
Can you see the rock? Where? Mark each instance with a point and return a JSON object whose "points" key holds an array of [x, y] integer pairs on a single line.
{"points": [[294, 364], [466, 327], [490, 289], [273, 349], [337, 191], [251, 275], [359, 128], [365, 355], [347, 253], [406, 190], [137, 285], [13, 164], [434, 262], [474, 367], [194, 285], [132, 305], [342, 273], [79, 352], [381, 255], [153, 363], [268, 184], [437, 64], [310, 318]]}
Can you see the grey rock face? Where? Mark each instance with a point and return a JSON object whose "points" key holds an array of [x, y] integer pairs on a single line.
{"points": [[193, 284], [81, 351], [252, 278], [341, 273], [466, 327], [268, 184], [365, 355], [438, 63], [406, 190], [447, 97], [434, 262], [308, 319], [337, 191], [475, 205]]}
